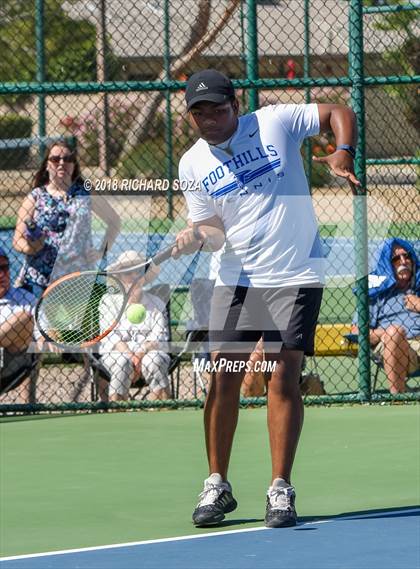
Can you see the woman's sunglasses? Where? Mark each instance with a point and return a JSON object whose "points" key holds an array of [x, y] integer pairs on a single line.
{"points": [[57, 159]]}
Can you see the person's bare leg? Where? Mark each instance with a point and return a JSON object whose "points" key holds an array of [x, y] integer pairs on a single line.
{"points": [[103, 386], [284, 412], [221, 414], [117, 397], [23, 391], [16, 332], [396, 358], [160, 394]]}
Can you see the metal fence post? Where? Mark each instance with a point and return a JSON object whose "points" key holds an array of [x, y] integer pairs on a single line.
{"points": [[356, 74], [168, 118], [40, 70], [102, 75], [252, 52], [306, 75]]}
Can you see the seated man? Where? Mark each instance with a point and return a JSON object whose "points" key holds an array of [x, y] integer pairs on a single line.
{"points": [[394, 289], [16, 324], [133, 351]]}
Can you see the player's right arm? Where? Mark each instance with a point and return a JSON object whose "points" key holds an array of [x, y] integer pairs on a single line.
{"points": [[20, 242], [208, 235]]}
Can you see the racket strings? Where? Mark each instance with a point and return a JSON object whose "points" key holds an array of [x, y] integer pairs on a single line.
{"points": [[70, 310]]}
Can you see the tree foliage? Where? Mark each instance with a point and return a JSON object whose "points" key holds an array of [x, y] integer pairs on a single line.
{"points": [[69, 45], [405, 57]]}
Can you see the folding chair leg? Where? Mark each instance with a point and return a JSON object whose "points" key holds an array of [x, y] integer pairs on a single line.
{"points": [[375, 378], [94, 387], [175, 385], [33, 378], [198, 379]]}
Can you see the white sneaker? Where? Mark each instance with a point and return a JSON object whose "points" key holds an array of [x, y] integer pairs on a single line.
{"points": [[280, 509], [216, 500]]}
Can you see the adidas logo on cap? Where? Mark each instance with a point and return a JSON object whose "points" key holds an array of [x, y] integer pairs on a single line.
{"points": [[208, 85]]}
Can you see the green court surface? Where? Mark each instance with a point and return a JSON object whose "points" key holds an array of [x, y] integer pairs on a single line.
{"points": [[78, 481]]}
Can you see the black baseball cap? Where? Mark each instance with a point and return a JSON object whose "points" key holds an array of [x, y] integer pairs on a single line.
{"points": [[208, 85]]}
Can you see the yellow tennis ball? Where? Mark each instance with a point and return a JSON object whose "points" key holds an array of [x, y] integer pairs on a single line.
{"points": [[136, 313]]}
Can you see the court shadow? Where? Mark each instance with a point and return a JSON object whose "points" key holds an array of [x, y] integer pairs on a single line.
{"points": [[357, 514], [396, 512], [305, 529], [237, 522]]}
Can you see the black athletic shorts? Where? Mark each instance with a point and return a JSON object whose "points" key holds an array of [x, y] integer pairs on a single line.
{"points": [[287, 317]]}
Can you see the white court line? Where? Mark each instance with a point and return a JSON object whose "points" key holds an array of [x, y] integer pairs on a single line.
{"points": [[131, 543], [196, 536]]}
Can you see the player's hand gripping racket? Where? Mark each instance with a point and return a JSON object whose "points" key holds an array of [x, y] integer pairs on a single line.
{"points": [[67, 313]]}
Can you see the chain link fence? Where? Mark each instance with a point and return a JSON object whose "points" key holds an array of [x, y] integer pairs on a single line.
{"points": [[107, 78]]}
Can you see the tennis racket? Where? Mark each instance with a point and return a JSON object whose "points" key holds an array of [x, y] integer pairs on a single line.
{"points": [[67, 313]]}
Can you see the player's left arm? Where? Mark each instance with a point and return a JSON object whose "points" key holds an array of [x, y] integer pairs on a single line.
{"points": [[341, 121]]}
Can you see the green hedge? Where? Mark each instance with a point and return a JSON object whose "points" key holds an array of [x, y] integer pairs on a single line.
{"points": [[14, 126]]}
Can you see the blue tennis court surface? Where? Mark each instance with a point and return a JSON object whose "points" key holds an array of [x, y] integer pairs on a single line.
{"points": [[387, 539]]}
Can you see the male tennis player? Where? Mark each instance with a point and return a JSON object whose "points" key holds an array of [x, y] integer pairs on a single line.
{"points": [[254, 198]]}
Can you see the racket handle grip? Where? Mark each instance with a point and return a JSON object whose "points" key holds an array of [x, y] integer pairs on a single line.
{"points": [[166, 253], [163, 255]]}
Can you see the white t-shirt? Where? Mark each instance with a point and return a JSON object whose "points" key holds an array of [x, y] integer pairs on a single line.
{"points": [[256, 184], [214, 267], [153, 328]]}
